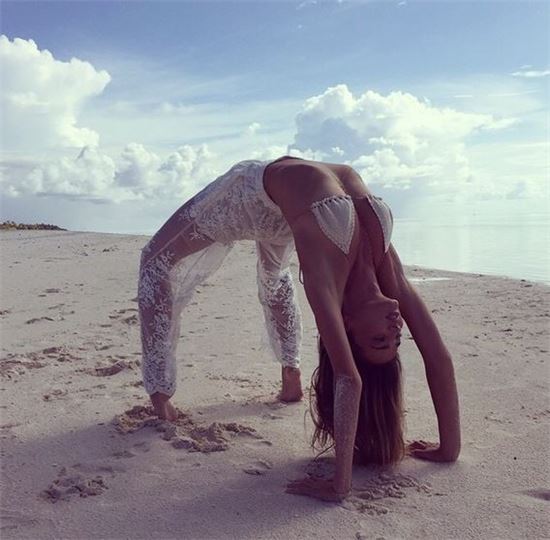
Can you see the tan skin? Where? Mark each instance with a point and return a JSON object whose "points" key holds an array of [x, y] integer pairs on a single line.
{"points": [[381, 298]]}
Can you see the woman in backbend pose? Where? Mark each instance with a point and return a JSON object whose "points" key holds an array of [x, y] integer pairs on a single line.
{"points": [[353, 281]]}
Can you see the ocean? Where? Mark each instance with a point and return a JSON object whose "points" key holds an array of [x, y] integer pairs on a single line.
{"points": [[504, 239]]}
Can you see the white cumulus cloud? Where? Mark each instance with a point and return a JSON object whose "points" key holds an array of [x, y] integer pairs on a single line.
{"points": [[396, 140], [399, 141], [42, 96], [136, 173]]}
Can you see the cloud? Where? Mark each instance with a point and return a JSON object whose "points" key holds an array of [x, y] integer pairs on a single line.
{"points": [[136, 174], [42, 97], [397, 140], [42, 101], [305, 4], [253, 128], [512, 169], [531, 73]]}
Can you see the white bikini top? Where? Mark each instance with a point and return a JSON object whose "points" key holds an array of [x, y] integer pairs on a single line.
{"points": [[335, 216]]}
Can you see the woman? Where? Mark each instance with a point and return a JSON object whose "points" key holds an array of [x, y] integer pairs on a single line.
{"points": [[354, 283]]}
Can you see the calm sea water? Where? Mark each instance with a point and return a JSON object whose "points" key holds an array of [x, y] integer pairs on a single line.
{"points": [[501, 239], [505, 238]]}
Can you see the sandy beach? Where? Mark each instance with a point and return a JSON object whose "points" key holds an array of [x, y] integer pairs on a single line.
{"points": [[82, 458]]}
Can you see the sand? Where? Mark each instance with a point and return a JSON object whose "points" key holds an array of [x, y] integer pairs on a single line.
{"points": [[82, 456]]}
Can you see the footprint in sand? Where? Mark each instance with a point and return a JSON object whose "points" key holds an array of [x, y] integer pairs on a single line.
{"points": [[374, 495], [14, 365], [73, 482], [383, 488], [184, 432]]}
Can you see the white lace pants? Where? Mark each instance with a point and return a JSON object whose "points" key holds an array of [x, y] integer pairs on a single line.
{"points": [[173, 263]]}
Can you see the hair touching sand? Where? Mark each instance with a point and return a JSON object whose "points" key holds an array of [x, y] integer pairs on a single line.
{"points": [[379, 437]]}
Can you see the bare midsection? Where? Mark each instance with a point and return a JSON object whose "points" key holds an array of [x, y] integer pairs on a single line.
{"points": [[294, 184]]}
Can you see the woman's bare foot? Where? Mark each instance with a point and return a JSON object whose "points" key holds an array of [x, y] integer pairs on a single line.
{"points": [[163, 408], [291, 385]]}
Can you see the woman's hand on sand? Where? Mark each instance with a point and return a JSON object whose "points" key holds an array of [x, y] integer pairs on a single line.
{"points": [[318, 488], [163, 408], [428, 451]]}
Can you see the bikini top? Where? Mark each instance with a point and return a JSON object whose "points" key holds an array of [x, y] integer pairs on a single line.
{"points": [[335, 216]]}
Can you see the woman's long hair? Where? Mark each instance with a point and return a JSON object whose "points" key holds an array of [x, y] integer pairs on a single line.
{"points": [[379, 437]]}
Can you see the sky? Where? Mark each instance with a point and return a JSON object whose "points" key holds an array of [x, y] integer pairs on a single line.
{"points": [[115, 113]]}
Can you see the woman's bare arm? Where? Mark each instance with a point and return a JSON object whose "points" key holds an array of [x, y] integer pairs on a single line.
{"points": [[322, 262], [347, 395], [439, 370], [437, 359]]}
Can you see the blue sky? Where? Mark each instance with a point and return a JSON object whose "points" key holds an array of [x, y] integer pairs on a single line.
{"points": [[293, 47], [420, 97]]}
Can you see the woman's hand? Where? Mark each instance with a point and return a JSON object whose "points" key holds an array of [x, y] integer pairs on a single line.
{"points": [[318, 488], [429, 451]]}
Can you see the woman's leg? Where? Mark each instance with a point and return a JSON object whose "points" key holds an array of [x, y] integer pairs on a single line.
{"points": [[173, 263], [282, 313]]}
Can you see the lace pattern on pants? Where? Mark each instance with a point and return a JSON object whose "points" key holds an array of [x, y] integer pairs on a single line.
{"points": [[192, 245], [164, 290], [277, 295]]}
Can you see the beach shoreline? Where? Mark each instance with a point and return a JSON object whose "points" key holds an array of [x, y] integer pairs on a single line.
{"points": [[70, 379], [145, 238]]}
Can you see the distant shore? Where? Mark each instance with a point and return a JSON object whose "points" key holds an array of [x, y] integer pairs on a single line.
{"points": [[12, 226]]}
